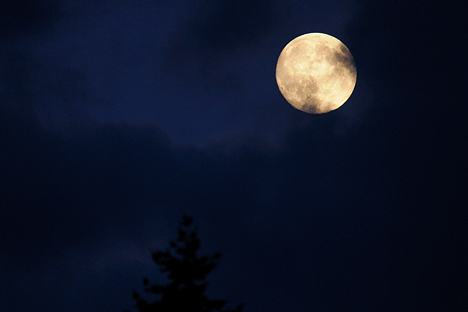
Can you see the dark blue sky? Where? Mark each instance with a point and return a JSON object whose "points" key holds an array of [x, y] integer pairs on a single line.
{"points": [[118, 116]]}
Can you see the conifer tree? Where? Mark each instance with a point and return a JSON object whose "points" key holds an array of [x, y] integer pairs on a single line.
{"points": [[186, 270]]}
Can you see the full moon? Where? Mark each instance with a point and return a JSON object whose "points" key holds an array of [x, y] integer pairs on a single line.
{"points": [[316, 73]]}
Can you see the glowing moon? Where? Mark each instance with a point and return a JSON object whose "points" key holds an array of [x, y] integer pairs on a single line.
{"points": [[316, 73]]}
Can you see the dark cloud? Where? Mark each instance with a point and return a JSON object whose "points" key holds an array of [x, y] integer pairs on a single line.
{"points": [[26, 17], [70, 195], [215, 27], [51, 94], [398, 51]]}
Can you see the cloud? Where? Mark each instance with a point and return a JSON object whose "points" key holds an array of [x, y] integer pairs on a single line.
{"points": [[28, 17], [107, 184], [218, 26]]}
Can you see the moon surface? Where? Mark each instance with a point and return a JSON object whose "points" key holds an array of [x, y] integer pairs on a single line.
{"points": [[316, 73]]}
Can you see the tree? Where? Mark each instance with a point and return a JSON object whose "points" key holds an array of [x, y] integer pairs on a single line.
{"points": [[186, 271]]}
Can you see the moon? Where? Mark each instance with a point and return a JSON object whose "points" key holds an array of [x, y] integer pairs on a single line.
{"points": [[316, 73]]}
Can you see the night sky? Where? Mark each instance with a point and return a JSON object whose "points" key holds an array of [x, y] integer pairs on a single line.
{"points": [[118, 116]]}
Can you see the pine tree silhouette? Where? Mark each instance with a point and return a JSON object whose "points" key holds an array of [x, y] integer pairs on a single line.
{"points": [[186, 271]]}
